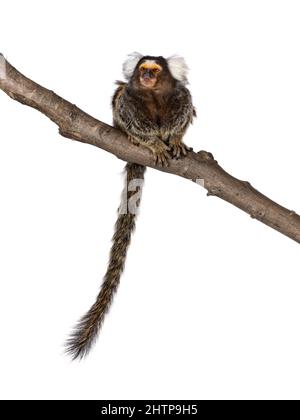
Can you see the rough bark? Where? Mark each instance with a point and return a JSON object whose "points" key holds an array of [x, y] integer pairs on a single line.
{"points": [[78, 125]]}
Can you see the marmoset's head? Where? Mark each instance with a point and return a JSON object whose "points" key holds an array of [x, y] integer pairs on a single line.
{"points": [[148, 72]]}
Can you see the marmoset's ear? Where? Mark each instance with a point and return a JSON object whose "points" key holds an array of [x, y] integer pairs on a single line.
{"points": [[130, 64], [178, 68]]}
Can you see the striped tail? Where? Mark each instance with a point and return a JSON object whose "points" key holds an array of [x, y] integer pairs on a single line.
{"points": [[87, 329]]}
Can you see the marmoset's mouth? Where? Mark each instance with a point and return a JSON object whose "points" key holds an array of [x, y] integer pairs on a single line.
{"points": [[147, 81]]}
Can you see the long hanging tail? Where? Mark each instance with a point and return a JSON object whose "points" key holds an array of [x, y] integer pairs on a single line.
{"points": [[86, 331]]}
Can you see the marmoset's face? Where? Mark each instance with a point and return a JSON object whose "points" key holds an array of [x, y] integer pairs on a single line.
{"points": [[149, 73]]}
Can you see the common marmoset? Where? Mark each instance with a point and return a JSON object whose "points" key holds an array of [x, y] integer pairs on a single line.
{"points": [[154, 108]]}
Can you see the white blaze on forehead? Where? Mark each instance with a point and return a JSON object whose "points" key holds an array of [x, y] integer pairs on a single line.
{"points": [[130, 64], [178, 68]]}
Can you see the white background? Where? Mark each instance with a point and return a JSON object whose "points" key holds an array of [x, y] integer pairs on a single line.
{"points": [[209, 304]]}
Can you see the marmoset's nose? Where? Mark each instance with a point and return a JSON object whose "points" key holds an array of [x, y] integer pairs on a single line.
{"points": [[148, 74]]}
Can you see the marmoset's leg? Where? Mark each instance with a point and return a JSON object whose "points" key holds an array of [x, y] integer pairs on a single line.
{"points": [[159, 148]]}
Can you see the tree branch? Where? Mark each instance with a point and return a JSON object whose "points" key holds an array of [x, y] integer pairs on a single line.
{"points": [[77, 125]]}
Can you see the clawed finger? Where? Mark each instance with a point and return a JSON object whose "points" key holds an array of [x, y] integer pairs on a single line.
{"points": [[162, 158], [178, 150]]}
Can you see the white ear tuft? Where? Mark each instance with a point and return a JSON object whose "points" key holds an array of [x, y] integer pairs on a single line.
{"points": [[178, 68], [130, 64]]}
